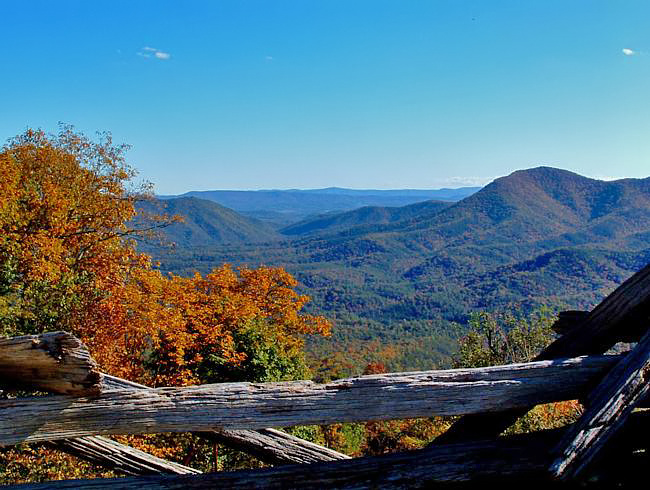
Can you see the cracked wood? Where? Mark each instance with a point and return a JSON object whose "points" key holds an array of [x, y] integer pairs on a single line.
{"points": [[610, 404], [284, 404], [55, 361]]}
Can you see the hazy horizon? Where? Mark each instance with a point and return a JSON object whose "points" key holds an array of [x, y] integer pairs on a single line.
{"points": [[478, 186]]}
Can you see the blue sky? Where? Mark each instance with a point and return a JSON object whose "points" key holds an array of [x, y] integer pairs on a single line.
{"points": [[351, 93]]}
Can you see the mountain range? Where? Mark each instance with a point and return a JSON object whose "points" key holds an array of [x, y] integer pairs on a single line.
{"points": [[404, 275], [285, 207]]}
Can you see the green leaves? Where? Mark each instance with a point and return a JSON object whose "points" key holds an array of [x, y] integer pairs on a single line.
{"points": [[504, 338]]}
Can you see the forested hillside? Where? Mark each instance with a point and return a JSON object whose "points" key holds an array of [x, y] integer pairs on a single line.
{"points": [[285, 207], [207, 223], [541, 236], [367, 215]]}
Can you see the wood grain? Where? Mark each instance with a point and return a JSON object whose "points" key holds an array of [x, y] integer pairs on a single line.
{"points": [[611, 402], [56, 362], [508, 462], [119, 457], [262, 405], [269, 445], [486, 461], [274, 446]]}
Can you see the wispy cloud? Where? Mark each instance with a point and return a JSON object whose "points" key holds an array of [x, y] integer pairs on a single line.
{"points": [[607, 177], [629, 52], [268, 58], [469, 181], [149, 52]]}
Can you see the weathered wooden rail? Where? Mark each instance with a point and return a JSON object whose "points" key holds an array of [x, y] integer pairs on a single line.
{"points": [[56, 362], [285, 404], [89, 404]]}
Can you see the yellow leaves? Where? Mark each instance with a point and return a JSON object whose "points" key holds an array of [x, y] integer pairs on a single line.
{"points": [[58, 203]]}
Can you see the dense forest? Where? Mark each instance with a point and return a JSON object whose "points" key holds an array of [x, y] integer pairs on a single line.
{"points": [[404, 281]]}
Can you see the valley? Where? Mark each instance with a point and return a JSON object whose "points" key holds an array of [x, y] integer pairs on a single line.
{"points": [[403, 279]]}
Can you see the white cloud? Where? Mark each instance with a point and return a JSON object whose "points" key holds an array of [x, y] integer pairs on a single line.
{"points": [[148, 52], [269, 58], [628, 52], [607, 177], [470, 181]]}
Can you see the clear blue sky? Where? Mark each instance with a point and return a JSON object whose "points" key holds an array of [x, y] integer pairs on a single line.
{"points": [[313, 93]]}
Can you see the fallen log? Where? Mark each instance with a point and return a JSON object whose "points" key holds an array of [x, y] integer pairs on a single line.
{"points": [[620, 317], [55, 361], [262, 405], [119, 457], [611, 402], [269, 445], [506, 462]]}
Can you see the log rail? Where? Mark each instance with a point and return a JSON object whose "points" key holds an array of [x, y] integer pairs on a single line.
{"points": [[285, 404]]}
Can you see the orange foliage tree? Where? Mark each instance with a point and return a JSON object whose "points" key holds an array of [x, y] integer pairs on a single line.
{"points": [[68, 262], [67, 208], [63, 213]]}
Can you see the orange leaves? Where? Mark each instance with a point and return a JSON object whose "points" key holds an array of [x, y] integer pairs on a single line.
{"points": [[64, 203], [159, 329], [65, 263], [186, 320], [66, 213]]}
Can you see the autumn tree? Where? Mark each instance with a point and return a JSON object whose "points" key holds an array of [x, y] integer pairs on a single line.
{"points": [[64, 209], [68, 261], [504, 338]]}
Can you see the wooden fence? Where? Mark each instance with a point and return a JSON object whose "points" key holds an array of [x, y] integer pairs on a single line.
{"points": [[86, 404]]}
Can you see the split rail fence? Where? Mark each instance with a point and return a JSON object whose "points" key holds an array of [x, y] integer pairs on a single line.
{"points": [[607, 442]]}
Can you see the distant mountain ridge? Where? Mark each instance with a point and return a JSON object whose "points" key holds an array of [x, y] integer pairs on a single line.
{"points": [[286, 207], [542, 206], [367, 215]]}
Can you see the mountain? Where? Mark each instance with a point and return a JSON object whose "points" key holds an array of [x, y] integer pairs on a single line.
{"points": [[541, 236], [528, 211], [444, 194], [207, 223], [367, 215], [545, 208], [285, 207]]}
